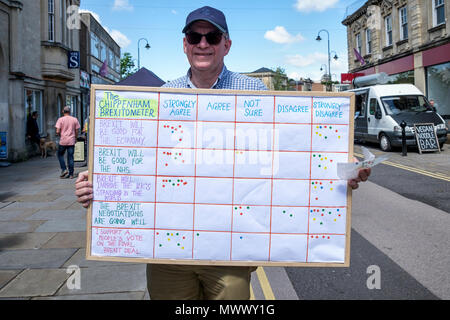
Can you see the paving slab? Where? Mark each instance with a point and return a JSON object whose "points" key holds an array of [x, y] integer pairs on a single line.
{"points": [[65, 225], [39, 258], [109, 279], [7, 214], [79, 259], [75, 239], [19, 226], [7, 275], [57, 215], [35, 282], [24, 240]]}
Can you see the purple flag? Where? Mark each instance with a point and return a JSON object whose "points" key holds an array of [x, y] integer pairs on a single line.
{"points": [[359, 57], [104, 69]]}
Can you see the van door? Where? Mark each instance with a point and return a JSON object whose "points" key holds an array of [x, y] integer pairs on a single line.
{"points": [[361, 114], [374, 119]]}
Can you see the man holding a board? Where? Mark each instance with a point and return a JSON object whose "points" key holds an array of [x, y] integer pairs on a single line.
{"points": [[206, 43]]}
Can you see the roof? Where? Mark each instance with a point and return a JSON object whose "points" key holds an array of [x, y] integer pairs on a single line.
{"points": [[262, 70], [143, 77]]}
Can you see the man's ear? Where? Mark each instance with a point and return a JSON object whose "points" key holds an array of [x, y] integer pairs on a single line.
{"points": [[184, 45], [227, 46]]}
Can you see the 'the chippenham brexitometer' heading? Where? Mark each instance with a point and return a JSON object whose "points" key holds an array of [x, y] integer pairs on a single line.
{"points": [[114, 106]]}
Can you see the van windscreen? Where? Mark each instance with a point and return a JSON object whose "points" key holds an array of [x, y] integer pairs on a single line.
{"points": [[399, 104]]}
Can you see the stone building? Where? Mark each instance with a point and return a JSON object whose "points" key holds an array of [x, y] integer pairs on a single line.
{"points": [[35, 75], [97, 49], [407, 39]]}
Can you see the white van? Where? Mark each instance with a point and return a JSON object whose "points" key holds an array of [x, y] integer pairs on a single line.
{"points": [[379, 110]]}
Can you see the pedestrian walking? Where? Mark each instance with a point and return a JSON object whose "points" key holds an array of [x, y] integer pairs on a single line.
{"points": [[67, 128], [206, 43]]}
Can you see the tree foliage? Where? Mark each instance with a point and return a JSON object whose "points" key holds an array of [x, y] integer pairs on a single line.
{"points": [[127, 67]]}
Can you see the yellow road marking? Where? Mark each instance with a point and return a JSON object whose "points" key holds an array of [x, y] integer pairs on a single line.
{"points": [[420, 171], [252, 295], [265, 285]]}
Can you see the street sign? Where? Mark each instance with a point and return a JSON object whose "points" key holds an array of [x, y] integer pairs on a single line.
{"points": [[3, 145], [426, 137], [73, 58]]}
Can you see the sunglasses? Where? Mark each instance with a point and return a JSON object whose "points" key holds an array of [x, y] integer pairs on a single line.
{"points": [[213, 37]]}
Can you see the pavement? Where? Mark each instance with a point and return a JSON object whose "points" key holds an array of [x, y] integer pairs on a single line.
{"points": [[43, 235]]}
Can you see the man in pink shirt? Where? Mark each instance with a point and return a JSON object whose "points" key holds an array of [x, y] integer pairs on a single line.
{"points": [[67, 128]]}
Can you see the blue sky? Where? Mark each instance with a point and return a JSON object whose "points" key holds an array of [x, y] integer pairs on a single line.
{"points": [[264, 33]]}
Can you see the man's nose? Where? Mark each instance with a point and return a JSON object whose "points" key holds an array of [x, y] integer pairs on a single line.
{"points": [[203, 43]]}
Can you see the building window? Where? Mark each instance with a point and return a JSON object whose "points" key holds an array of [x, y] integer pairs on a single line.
{"points": [[358, 42], [403, 19], [117, 64], [33, 102], [438, 12], [102, 50], [388, 28], [51, 20], [94, 45], [368, 41]]}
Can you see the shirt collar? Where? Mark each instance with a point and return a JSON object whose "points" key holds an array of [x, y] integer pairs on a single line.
{"points": [[221, 76]]}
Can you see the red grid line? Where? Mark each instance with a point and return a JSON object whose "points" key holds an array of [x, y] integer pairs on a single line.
{"points": [[310, 165], [156, 175], [223, 231], [195, 174], [234, 166], [224, 121], [271, 182]]}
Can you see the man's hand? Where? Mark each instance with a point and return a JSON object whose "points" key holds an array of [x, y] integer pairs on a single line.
{"points": [[83, 189], [363, 175]]}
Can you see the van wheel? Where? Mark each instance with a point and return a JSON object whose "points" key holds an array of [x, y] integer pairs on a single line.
{"points": [[385, 143]]}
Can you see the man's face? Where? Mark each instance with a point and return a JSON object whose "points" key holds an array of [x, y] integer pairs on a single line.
{"points": [[204, 56]]}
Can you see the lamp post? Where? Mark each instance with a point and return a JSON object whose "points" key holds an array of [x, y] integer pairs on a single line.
{"points": [[335, 54], [147, 46]]}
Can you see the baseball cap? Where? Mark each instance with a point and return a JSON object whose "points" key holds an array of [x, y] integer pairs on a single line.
{"points": [[212, 15]]}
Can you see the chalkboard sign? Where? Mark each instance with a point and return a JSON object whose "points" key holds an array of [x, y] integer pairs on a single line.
{"points": [[426, 137]]}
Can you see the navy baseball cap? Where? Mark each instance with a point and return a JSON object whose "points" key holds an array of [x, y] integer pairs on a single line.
{"points": [[212, 15]]}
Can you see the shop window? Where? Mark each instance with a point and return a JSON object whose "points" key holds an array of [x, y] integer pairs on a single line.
{"points": [[403, 77], [71, 101], [438, 87], [33, 102]]}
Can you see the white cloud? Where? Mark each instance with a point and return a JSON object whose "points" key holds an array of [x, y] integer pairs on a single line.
{"points": [[173, 11], [122, 5], [120, 38], [294, 75], [280, 35], [314, 5], [95, 15], [304, 61]]}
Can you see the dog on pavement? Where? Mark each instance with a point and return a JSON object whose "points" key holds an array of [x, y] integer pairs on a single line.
{"points": [[45, 146]]}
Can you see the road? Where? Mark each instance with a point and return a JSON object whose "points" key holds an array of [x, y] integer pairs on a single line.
{"points": [[400, 223]]}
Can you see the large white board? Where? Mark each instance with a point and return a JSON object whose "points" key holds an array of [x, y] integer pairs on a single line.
{"points": [[219, 177]]}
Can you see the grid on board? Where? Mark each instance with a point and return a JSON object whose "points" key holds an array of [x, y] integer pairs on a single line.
{"points": [[324, 221]]}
